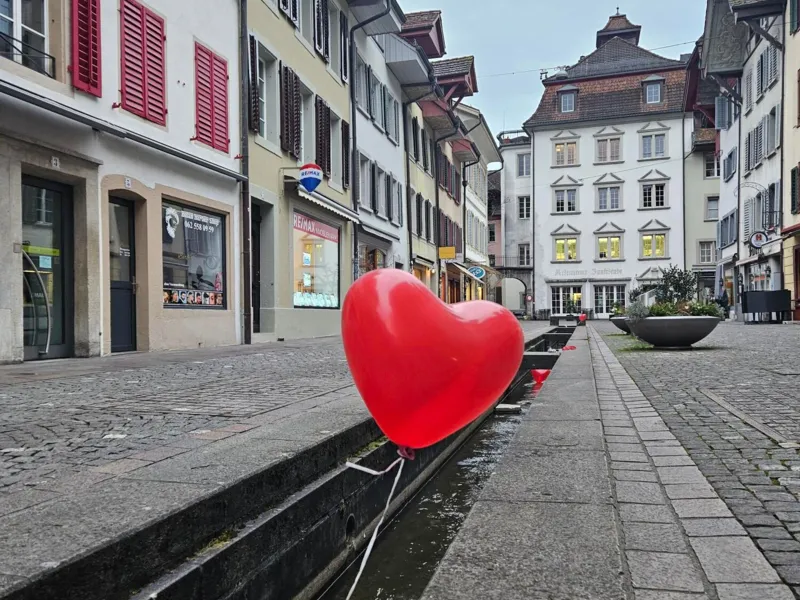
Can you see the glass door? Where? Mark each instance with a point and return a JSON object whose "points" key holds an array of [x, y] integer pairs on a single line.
{"points": [[46, 269], [122, 272]]}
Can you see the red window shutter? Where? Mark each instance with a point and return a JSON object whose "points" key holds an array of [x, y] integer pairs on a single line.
{"points": [[142, 64], [204, 95], [211, 98], [345, 154], [86, 61]]}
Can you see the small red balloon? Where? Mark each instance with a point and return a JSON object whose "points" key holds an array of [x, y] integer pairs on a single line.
{"points": [[426, 369], [582, 318], [570, 348], [540, 375]]}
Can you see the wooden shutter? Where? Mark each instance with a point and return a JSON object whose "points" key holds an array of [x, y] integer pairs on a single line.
{"points": [[220, 103], [374, 187], [211, 99], [326, 31], [318, 27], [254, 92], [86, 65], [747, 153], [368, 83], [458, 185], [425, 162], [345, 154], [284, 4], [132, 64], [748, 218], [320, 124], [344, 44], [794, 189], [297, 117], [390, 209], [155, 68], [401, 209], [415, 137], [327, 134], [286, 107]]}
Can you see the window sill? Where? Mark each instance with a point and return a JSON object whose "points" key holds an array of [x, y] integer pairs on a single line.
{"points": [[609, 260], [710, 177], [304, 42], [268, 145], [366, 208], [336, 186], [654, 208], [608, 162], [710, 220], [649, 258], [563, 262], [760, 98], [336, 77], [727, 179], [563, 167], [771, 154], [273, 6], [655, 158], [558, 214], [363, 111], [609, 210]]}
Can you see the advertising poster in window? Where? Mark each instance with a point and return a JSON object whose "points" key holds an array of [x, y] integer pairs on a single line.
{"points": [[316, 263], [193, 243]]}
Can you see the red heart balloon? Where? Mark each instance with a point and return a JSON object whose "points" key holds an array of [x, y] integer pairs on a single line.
{"points": [[426, 369]]}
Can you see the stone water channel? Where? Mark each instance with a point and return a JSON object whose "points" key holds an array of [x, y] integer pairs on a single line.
{"points": [[411, 546]]}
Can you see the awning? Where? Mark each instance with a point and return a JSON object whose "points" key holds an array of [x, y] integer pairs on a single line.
{"points": [[417, 259], [331, 205], [466, 272], [378, 233]]}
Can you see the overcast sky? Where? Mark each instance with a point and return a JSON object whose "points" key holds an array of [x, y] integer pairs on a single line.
{"points": [[528, 35]]}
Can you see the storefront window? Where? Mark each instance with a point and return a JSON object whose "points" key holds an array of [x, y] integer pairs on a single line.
{"points": [[193, 253], [316, 263]]}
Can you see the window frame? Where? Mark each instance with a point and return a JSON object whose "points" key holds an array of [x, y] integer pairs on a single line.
{"points": [[566, 238], [566, 144], [608, 237], [657, 85], [716, 165], [653, 137], [17, 28], [608, 188], [713, 246], [707, 202], [524, 164], [566, 191], [528, 262], [573, 96], [609, 156], [653, 245], [524, 208], [654, 184]]}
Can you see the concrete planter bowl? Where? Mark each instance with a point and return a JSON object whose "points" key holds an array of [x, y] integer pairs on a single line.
{"points": [[678, 333], [621, 322]]}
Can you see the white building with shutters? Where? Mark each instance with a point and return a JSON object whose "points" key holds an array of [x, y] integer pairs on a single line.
{"points": [[760, 159], [120, 153], [383, 233]]}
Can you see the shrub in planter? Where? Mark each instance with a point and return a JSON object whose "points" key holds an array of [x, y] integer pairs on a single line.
{"points": [[663, 309]]}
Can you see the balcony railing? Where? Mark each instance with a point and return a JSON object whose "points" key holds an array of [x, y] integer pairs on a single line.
{"points": [[510, 262], [29, 56], [770, 219]]}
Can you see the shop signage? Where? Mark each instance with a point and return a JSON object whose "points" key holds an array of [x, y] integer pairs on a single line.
{"points": [[759, 239], [478, 272], [578, 273], [447, 252], [309, 225], [310, 176]]}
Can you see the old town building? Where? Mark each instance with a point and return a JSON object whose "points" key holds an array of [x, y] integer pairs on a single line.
{"points": [[607, 180], [122, 205]]}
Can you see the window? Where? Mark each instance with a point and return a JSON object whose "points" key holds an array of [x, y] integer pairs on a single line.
{"points": [[566, 201], [653, 93], [712, 164], [25, 22], [772, 129], [654, 195], [609, 248], [524, 254], [415, 138], [307, 118], [492, 260], [362, 80], [430, 226], [748, 90], [193, 255], [143, 84], [727, 230], [365, 182], [566, 153], [292, 10], [375, 99], [523, 165], [654, 245], [344, 46], [308, 21], [608, 150], [565, 299], [491, 233], [316, 263], [608, 297], [322, 28], [566, 249], [794, 190], [794, 15], [730, 163], [708, 253], [291, 113], [568, 102], [762, 73], [426, 163], [712, 208], [211, 100], [608, 198], [86, 60], [654, 145], [333, 148], [524, 207]]}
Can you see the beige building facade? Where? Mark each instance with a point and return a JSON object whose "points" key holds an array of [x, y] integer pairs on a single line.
{"points": [[791, 155]]}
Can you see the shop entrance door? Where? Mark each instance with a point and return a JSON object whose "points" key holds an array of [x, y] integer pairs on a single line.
{"points": [[122, 263], [255, 257], [47, 239]]}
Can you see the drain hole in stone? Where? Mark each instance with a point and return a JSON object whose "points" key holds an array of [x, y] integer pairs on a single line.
{"points": [[350, 526]]}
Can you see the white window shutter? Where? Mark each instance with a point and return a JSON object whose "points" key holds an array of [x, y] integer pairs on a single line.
{"points": [[777, 204], [778, 124], [721, 106]]}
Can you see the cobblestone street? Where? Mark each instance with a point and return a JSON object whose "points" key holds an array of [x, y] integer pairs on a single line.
{"points": [[734, 404], [57, 419]]}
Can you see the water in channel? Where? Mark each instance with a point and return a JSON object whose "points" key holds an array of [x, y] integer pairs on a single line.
{"points": [[409, 549]]}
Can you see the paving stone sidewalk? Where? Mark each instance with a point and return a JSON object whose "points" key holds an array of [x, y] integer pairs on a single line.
{"points": [[733, 404]]}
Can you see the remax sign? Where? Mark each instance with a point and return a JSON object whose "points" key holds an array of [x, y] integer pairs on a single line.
{"points": [[310, 176]]}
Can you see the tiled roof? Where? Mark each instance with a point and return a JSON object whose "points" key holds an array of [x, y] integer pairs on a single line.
{"points": [[615, 57], [705, 135], [619, 22], [449, 67], [421, 19], [611, 98]]}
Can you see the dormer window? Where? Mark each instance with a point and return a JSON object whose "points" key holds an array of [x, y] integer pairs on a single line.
{"points": [[568, 102], [653, 89], [653, 93]]}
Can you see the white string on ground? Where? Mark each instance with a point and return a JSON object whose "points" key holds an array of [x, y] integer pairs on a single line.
{"points": [[368, 551]]}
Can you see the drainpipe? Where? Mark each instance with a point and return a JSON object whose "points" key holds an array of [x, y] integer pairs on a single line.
{"points": [[354, 161], [779, 201], [244, 68]]}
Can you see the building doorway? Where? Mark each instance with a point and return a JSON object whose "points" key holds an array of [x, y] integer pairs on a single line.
{"points": [[255, 257], [122, 270], [47, 269]]}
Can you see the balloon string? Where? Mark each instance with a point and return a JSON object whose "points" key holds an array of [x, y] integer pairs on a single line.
{"points": [[368, 551]]}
